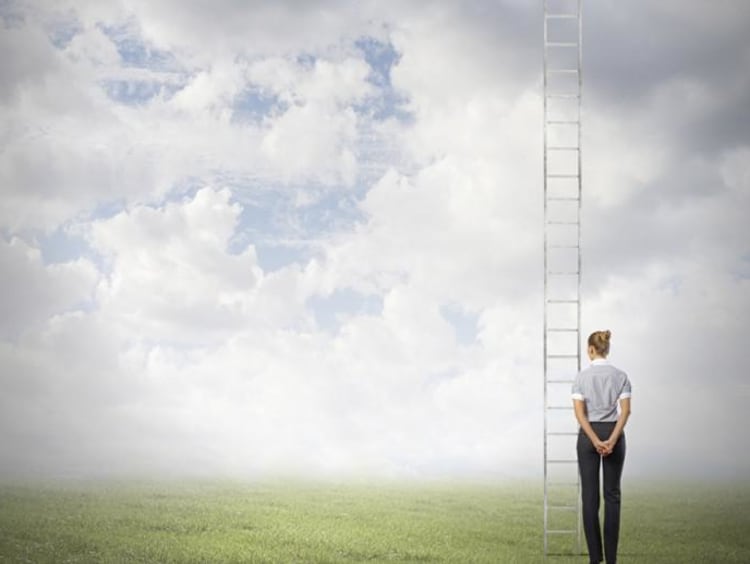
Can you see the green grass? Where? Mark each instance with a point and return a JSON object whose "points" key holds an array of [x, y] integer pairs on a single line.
{"points": [[294, 522]]}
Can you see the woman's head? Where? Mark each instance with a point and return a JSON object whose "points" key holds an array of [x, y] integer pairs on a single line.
{"points": [[599, 343]]}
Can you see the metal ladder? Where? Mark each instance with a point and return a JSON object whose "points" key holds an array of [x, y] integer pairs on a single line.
{"points": [[562, 272]]}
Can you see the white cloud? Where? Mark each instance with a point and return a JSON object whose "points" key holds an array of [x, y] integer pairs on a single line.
{"points": [[68, 149], [92, 46], [735, 171], [211, 90], [306, 142], [82, 136], [324, 82], [210, 29], [171, 274], [676, 329], [30, 58], [33, 291], [187, 354]]}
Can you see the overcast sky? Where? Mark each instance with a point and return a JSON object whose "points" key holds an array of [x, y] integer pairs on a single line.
{"points": [[262, 238]]}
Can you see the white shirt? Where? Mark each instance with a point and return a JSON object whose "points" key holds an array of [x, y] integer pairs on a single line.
{"points": [[601, 386]]}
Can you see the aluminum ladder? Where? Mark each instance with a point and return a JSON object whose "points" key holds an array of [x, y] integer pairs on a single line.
{"points": [[562, 272]]}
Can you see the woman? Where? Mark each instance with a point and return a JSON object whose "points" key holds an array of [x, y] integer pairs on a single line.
{"points": [[601, 398]]}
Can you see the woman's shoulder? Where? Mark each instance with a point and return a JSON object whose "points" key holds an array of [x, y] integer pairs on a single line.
{"points": [[618, 371], [607, 368]]}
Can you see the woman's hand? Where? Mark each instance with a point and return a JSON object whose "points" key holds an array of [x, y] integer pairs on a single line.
{"points": [[602, 447], [605, 448]]}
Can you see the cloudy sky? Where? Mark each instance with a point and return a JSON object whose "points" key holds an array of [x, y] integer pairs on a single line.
{"points": [[260, 238]]}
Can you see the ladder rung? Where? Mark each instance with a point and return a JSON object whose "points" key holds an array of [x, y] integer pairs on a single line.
{"points": [[561, 44], [563, 199], [562, 95], [563, 532], [562, 246], [558, 381], [562, 330], [563, 484], [568, 148], [562, 301], [563, 175], [562, 71], [559, 407], [561, 461], [563, 121], [562, 356], [561, 16], [562, 222], [563, 507], [562, 433]]}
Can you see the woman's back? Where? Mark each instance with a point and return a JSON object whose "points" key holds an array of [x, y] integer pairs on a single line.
{"points": [[601, 385]]}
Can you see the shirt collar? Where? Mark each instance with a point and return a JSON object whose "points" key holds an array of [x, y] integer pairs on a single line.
{"points": [[599, 361]]}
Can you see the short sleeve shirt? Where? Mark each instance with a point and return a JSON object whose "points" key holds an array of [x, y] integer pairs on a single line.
{"points": [[601, 386]]}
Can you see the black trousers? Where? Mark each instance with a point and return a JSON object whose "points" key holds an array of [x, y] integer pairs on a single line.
{"points": [[589, 462]]}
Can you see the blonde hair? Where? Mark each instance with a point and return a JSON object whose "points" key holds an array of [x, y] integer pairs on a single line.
{"points": [[600, 341]]}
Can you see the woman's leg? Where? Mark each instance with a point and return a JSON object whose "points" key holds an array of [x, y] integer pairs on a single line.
{"points": [[588, 466], [613, 465]]}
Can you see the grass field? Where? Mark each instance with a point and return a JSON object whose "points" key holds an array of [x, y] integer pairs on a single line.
{"points": [[294, 522]]}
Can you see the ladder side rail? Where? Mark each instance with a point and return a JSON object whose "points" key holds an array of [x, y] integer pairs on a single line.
{"points": [[565, 42], [580, 205]]}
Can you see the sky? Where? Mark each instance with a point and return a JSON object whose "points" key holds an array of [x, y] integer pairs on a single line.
{"points": [[305, 238]]}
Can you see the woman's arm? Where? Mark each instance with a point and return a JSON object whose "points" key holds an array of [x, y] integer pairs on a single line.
{"points": [[580, 410], [620, 425]]}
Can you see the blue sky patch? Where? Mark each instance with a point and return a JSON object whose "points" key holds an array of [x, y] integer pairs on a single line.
{"points": [[134, 52], [253, 105], [389, 103], [62, 246], [464, 323], [11, 14], [284, 233], [742, 270], [381, 57], [133, 93]]}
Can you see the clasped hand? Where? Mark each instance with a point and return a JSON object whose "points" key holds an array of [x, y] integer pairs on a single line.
{"points": [[605, 448]]}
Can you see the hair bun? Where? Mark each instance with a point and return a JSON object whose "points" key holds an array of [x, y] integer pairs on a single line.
{"points": [[600, 341]]}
